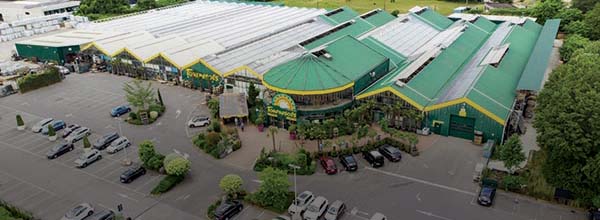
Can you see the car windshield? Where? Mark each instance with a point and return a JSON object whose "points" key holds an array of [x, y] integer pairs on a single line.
{"points": [[75, 212], [330, 163], [57, 147], [332, 210], [313, 208], [350, 159]]}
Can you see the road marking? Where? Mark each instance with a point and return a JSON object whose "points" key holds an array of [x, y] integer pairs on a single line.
{"points": [[417, 196], [177, 113], [127, 197], [146, 183], [422, 181], [28, 183], [432, 215], [68, 115]]}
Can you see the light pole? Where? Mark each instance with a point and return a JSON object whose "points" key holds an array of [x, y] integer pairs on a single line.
{"points": [[295, 167]]}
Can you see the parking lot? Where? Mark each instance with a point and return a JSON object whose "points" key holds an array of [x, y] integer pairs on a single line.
{"points": [[435, 185]]}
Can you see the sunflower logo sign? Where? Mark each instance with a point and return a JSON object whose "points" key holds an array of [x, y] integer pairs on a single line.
{"points": [[282, 106]]}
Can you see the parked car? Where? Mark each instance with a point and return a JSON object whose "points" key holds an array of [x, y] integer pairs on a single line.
{"points": [[7, 90], [59, 150], [104, 141], [378, 216], [37, 128], [70, 128], [88, 158], [103, 215], [199, 121], [336, 210], [391, 153], [132, 173], [486, 196], [374, 158], [119, 110], [316, 209], [348, 162], [118, 145], [56, 124], [228, 209], [63, 70], [328, 165], [78, 134], [301, 202], [79, 212]]}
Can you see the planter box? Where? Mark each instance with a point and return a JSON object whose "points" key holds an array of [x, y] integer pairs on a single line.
{"points": [[52, 138], [21, 128]]}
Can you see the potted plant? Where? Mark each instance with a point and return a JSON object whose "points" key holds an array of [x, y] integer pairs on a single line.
{"points": [[260, 124], [292, 129], [20, 123], [51, 133]]}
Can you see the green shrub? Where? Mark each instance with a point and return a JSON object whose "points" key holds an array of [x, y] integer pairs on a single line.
{"points": [[20, 121], [210, 213], [133, 116], [156, 107], [153, 115], [155, 162], [31, 82], [215, 126], [51, 131], [281, 161], [512, 183], [9, 212], [166, 184], [178, 166]]}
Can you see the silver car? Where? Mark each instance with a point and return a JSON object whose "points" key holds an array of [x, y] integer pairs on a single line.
{"points": [[77, 135], [316, 209], [118, 145], [88, 158], [301, 202], [79, 212], [336, 210], [37, 128]]}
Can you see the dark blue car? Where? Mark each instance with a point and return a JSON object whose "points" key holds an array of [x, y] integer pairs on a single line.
{"points": [[56, 124], [119, 110]]}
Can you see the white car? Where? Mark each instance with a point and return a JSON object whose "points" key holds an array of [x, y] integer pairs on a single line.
{"points": [[378, 216], [77, 135], [37, 128], [118, 145], [336, 210], [301, 202], [199, 121], [79, 212], [88, 158], [316, 209]]}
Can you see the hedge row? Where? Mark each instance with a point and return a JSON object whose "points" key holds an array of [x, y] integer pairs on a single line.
{"points": [[35, 81], [10, 212], [166, 184]]}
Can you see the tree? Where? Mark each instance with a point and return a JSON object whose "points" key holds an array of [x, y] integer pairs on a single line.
{"points": [[273, 131], [567, 16], [178, 166], [568, 129], [547, 10], [20, 121], [138, 94], [160, 100], [584, 5], [253, 93], [231, 184], [571, 44], [146, 4], [511, 153], [213, 105], [149, 157], [86, 142], [273, 189], [592, 20]]}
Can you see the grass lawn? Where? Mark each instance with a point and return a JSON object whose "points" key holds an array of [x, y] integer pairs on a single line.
{"points": [[443, 7]]}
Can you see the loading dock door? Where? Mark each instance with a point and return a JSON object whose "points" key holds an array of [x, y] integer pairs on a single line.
{"points": [[462, 127]]}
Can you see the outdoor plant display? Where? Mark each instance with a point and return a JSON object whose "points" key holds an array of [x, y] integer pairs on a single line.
{"points": [[218, 144], [142, 96], [20, 123], [282, 161], [49, 76]]}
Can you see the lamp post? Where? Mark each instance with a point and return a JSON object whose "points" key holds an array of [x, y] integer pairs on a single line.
{"points": [[295, 167]]}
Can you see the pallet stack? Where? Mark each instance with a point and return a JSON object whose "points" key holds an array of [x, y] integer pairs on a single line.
{"points": [[38, 25]]}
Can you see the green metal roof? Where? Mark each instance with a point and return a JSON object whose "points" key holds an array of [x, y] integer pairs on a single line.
{"points": [[532, 76], [435, 19], [356, 28], [395, 57], [495, 88], [341, 15], [378, 17], [532, 26], [350, 60], [485, 24]]}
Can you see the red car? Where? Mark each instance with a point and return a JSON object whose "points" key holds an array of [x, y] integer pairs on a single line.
{"points": [[329, 165]]}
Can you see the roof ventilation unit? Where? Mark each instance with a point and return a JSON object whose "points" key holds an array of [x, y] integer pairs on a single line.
{"points": [[400, 83]]}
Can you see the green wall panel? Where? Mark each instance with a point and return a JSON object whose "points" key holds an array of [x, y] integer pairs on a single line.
{"points": [[209, 80], [44, 53], [490, 128]]}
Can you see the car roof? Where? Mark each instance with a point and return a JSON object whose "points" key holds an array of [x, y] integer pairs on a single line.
{"points": [[375, 153], [319, 200], [336, 204], [305, 194], [90, 152]]}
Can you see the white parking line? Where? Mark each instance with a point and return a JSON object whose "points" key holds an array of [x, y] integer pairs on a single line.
{"points": [[422, 181], [432, 215], [26, 182]]}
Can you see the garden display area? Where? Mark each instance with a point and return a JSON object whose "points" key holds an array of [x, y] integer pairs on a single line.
{"points": [[149, 104], [444, 7], [48, 76]]}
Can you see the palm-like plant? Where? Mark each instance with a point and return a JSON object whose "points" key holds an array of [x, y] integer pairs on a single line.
{"points": [[273, 131], [139, 94]]}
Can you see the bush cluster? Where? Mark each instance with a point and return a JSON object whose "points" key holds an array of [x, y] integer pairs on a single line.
{"points": [[35, 81], [155, 107], [217, 144], [282, 161], [166, 184], [150, 158]]}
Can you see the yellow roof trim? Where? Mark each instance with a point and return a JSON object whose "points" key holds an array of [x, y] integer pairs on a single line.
{"points": [[88, 46], [390, 89], [485, 111], [308, 92], [445, 104], [164, 56], [200, 60], [244, 67], [131, 53]]}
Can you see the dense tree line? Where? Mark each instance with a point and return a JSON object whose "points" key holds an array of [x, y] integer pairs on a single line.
{"points": [[98, 8]]}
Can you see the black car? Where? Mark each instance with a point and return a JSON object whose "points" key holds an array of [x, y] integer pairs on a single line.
{"points": [[228, 209], [132, 174], [391, 153], [103, 215], [486, 196], [105, 140], [348, 162], [374, 158], [59, 150]]}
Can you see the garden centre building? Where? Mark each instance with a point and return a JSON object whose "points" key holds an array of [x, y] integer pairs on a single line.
{"points": [[462, 75]]}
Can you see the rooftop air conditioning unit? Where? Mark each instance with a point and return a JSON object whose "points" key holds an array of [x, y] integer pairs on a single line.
{"points": [[327, 56], [400, 83]]}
